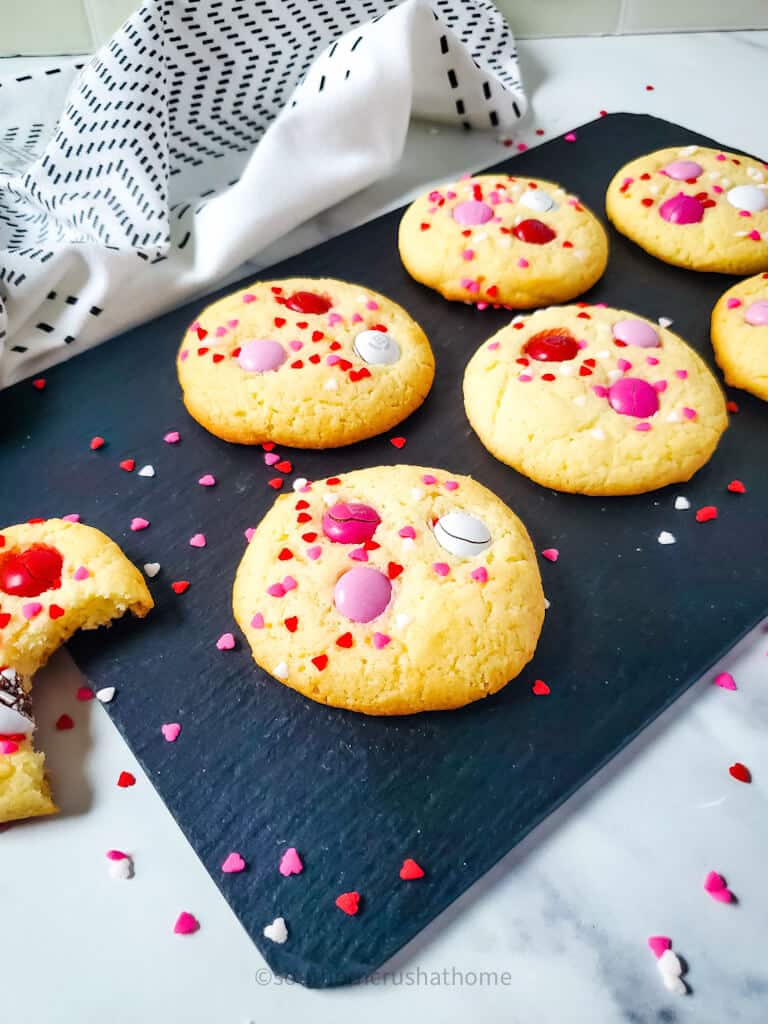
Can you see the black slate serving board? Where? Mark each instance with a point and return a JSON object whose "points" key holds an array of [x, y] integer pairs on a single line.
{"points": [[257, 767]]}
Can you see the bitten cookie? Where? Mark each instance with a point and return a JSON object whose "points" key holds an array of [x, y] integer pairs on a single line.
{"points": [[308, 363], [500, 240], [740, 335], [594, 400], [695, 207], [55, 577], [390, 591]]}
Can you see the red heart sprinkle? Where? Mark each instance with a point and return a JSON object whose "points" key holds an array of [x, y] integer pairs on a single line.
{"points": [[394, 570], [320, 662], [317, 335], [371, 545], [732, 406], [201, 333], [584, 371], [397, 442], [5, 618], [202, 351], [303, 517], [85, 693], [540, 688], [333, 481], [425, 227], [361, 374], [314, 359], [96, 443], [335, 346], [492, 291], [740, 772], [705, 513], [736, 487], [344, 365], [285, 554], [279, 321], [125, 779], [268, 446], [298, 364], [567, 245], [309, 537], [180, 586], [128, 465], [39, 383], [647, 202], [300, 504], [645, 176], [218, 357], [411, 870], [276, 483], [55, 611], [584, 316], [64, 722], [345, 640], [349, 902], [283, 466], [292, 623]]}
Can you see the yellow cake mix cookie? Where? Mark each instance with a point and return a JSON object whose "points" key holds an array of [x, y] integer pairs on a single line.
{"points": [[500, 240], [740, 335], [391, 590], [695, 207], [312, 363], [594, 400], [56, 577]]}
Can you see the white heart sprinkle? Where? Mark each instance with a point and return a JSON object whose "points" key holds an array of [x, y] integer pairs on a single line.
{"points": [[401, 621], [615, 374], [416, 494], [329, 499], [580, 400], [602, 355], [598, 433], [566, 369], [755, 174], [547, 605], [665, 537], [331, 385], [664, 321], [281, 670], [299, 482], [669, 964], [681, 503], [277, 931], [725, 182], [106, 694], [121, 869], [147, 471], [152, 569], [673, 417], [675, 985], [713, 174], [653, 189], [408, 543], [505, 242], [687, 150]]}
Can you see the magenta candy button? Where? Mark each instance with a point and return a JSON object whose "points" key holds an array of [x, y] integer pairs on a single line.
{"points": [[682, 209], [631, 396], [682, 170], [350, 522], [261, 356], [362, 594], [472, 212], [636, 332], [757, 313]]}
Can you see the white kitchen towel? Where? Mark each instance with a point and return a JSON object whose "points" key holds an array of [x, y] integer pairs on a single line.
{"points": [[206, 129]]}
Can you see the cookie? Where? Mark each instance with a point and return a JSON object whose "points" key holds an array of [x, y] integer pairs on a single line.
{"points": [[311, 363], [695, 207], [494, 239], [740, 335], [390, 591], [594, 401], [55, 577]]}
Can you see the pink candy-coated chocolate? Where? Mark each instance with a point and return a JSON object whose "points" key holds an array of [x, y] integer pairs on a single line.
{"points": [[472, 212], [632, 396], [757, 313], [350, 522], [362, 594], [682, 209], [261, 356], [682, 170], [636, 332]]}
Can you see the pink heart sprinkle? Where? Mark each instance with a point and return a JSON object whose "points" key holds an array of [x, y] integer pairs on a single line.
{"points": [[690, 414], [744, 213], [289, 583], [81, 573], [314, 552], [643, 427], [659, 944], [624, 364], [682, 374], [356, 318], [184, 355], [570, 137], [290, 863], [523, 263], [257, 622], [334, 318], [116, 855], [599, 390], [652, 360], [73, 517], [371, 304], [226, 642], [170, 731], [551, 554], [380, 640], [296, 345], [441, 568], [359, 555], [524, 378], [718, 189], [720, 156], [332, 359], [249, 297], [754, 234], [233, 864], [232, 323], [8, 747], [480, 574], [207, 480], [429, 479], [722, 895], [725, 680], [249, 533], [451, 485], [186, 924], [139, 524], [660, 385], [468, 254], [583, 343], [407, 531], [194, 326], [494, 345], [172, 437], [197, 541], [276, 590], [714, 882], [30, 610], [270, 458], [733, 303], [220, 332]]}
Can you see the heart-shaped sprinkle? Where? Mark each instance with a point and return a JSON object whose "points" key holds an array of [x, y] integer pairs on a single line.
{"points": [[137, 523], [280, 670], [73, 517], [289, 583], [284, 466], [480, 574], [275, 483], [277, 931], [81, 573], [106, 694], [128, 465], [147, 471], [713, 882], [740, 772], [96, 443], [540, 688], [125, 780], [681, 503], [706, 513], [197, 540], [172, 437], [407, 532], [320, 662], [659, 944], [179, 586], [725, 680], [270, 458], [397, 442], [284, 555], [207, 480], [116, 855], [380, 640], [345, 640], [349, 902], [151, 569], [55, 611], [411, 870], [233, 864], [570, 136], [551, 554], [429, 479], [737, 487], [441, 568], [314, 552], [394, 570], [64, 722], [359, 555], [290, 863], [186, 924], [257, 622], [291, 623], [170, 731], [226, 642], [85, 693], [31, 610]]}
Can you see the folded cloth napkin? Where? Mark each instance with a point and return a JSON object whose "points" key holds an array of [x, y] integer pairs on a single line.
{"points": [[204, 131]]}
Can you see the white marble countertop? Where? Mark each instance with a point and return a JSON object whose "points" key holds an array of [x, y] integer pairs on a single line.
{"points": [[563, 919]]}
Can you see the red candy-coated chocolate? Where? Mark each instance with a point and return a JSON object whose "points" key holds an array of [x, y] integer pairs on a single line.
{"points": [[533, 231], [308, 302], [554, 345], [31, 572]]}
